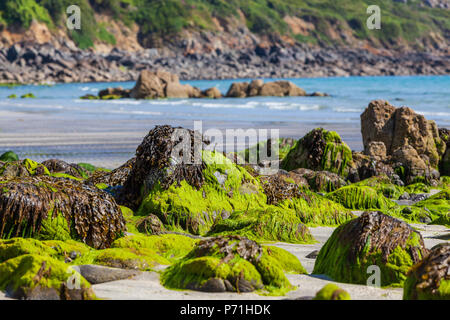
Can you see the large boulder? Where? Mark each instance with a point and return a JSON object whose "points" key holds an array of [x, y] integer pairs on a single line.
{"points": [[411, 142], [189, 193], [373, 239], [9, 156], [237, 90], [430, 278], [235, 264], [320, 150], [320, 181], [281, 89], [148, 85], [45, 207]]}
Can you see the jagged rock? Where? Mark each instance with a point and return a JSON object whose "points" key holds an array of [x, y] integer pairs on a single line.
{"points": [[150, 224], [54, 208], [148, 85], [371, 239], [320, 150], [255, 87], [409, 139], [430, 278]]}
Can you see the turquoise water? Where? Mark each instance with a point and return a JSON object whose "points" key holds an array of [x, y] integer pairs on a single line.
{"points": [[428, 95], [57, 124]]}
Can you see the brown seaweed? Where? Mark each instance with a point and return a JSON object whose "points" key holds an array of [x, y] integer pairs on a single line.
{"points": [[92, 215]]}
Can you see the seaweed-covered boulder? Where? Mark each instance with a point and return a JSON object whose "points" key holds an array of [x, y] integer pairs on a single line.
{"points": [[281, 186], [320, 181], [383, 185], [52, 208], [437, 207], [365, 167], [36, 277], [188, 195], [9, 156], [430, 278], [373, 239], [320, 150], [232, 263], [332, 292], [56, 167], [360, 198], [271, 224], [116, 177], [263, 149], [24, 168]]}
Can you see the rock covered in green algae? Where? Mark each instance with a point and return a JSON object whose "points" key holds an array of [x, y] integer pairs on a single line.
{"points": [[52, 208], [383, 185], [65, 169], [232, 263], [258, 152], [332, 292], [437, 206], [313, 209], [360, 198], [371, 239], [9, 156], [430, 278], [33, 276], [320, 150], [271, 224], [24, 168]]}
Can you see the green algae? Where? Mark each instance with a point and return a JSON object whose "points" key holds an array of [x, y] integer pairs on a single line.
{"points": [[28, 95], [320, 150], [316, 210], [288, 262], [271, 224], [227, 188], [419, 187], [264, 148], [21, 275], [383, 185], [242, 264], [9, 156], [345, 258], [169, 246], [332, 292], [360, 198]]}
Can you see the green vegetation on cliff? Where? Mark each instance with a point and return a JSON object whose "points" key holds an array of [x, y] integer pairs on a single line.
{"points": [[160, 20]]}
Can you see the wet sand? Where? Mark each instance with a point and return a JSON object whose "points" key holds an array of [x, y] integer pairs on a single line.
{"points": [[111, 143]]}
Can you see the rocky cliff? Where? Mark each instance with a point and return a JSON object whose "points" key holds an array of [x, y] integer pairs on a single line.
{"points": [[220, 39]]}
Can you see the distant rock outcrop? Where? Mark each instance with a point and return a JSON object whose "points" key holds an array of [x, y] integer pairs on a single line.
{"points": [[402, 138], [259, 88]]}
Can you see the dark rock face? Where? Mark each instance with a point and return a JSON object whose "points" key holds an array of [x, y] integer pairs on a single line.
{"points": [[403, 139], [154, 156], [429, 279], [52, 207], [37, 63]]}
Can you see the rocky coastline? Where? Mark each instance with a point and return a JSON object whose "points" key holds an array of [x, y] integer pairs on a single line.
{"points": [[44, 63], [216, 226]]}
